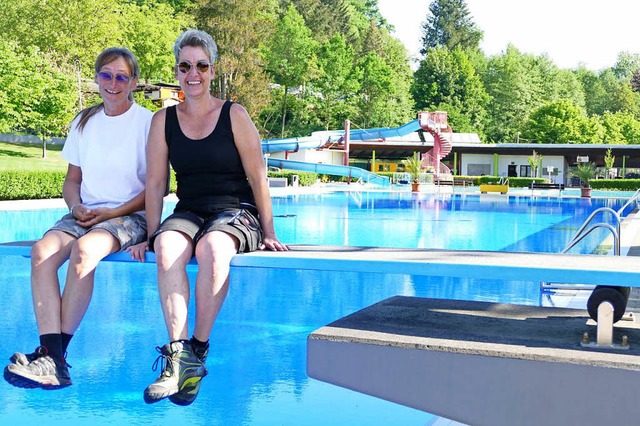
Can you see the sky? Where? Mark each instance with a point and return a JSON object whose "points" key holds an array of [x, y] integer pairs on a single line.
{"points": [[571, 32]]}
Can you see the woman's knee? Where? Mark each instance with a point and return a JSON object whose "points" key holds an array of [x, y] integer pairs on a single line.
{"points": [[172, 249], [48, 249], [216, 246]]}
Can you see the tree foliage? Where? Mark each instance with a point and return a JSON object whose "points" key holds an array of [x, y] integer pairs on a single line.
{"points": [[304, 65], [291, 54], [240, 28], [36, 96], [446, 80], [557, 122], [449, 25], [150, 35], [74, 30]]}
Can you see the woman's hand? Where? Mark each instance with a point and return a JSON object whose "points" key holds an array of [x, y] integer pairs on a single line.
{"points": [[270, 242], [87, 217], [138, 251]]}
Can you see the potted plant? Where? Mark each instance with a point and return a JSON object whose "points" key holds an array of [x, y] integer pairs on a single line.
{"points": [[413, 166], [585, 172]]}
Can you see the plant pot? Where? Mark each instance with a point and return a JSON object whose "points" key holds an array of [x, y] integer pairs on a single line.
{"points": [[585, 192], [415, 186]]}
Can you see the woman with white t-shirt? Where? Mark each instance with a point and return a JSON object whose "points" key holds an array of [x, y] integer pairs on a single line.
{"points": [[104, 189]]}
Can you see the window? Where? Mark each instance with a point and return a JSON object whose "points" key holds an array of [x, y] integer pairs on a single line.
{"points": [[525, 171]]}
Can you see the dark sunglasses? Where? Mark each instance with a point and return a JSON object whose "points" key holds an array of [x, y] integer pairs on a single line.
{"points": [[107, 76], [202, 66]]}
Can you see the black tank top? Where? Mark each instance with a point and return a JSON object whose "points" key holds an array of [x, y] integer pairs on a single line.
{"points": [[209, 172]]}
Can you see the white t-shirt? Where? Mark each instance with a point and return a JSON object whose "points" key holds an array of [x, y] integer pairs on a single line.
{"points": [[110, 151]]}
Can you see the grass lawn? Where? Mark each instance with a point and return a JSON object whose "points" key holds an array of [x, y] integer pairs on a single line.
{"points": [[14, 156]]}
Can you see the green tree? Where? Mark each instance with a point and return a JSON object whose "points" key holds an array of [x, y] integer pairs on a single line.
{"points": [[74, 30], [399, 105], [375, 84], [446, 80], [449, 25], [619, 95], [609, 161], [36, 96], [620, 128], [557, 122], [149, 31], [239, 27], [336, 80], [515, 86], [626, 64], [290, 54], [595, 95], [535, 161]]}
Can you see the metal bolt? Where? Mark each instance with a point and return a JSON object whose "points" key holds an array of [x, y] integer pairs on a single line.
{"points": [[625, 341], [585, 338]]}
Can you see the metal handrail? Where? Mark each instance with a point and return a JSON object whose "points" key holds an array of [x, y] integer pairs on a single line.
{"points": [[614, 231], [633, 198], [580, 234]]}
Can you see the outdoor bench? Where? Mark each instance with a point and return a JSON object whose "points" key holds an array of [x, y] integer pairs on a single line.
{"points": [[539, 185]]}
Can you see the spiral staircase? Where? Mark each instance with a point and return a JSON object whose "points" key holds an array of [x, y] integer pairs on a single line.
{"points": [[436, 124]]}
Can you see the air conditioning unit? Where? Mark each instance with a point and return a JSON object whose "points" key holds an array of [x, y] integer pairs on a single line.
{"points": [[582, 159]]}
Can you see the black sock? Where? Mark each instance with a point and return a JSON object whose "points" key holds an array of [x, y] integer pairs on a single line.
{"points": [[66, 338], [197, 344], [53, 343]]}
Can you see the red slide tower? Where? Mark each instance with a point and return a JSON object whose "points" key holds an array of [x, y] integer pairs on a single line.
{"points": [[436, 124]]}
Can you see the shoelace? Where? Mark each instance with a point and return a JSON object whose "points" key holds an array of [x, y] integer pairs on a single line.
{"points": [[42, 365], [165, 361], [42, 351]]}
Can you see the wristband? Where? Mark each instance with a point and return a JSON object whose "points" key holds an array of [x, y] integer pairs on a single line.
{"points": [[73, 207]]}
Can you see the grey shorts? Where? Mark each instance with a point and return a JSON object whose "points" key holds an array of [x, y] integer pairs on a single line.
{"points": [[128, 230], [240, 223]]}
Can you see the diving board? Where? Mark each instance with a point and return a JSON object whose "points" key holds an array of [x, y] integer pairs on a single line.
{"points": [[536, 267]]}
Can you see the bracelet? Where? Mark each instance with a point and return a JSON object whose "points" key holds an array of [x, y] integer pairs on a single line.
{"points": [[73, 207]]}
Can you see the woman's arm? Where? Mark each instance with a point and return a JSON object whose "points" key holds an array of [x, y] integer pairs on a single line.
{"points": [[248, 143], [71, 187], [157, 171]]}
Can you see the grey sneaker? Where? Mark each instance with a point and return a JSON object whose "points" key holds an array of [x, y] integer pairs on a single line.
{"points": [[181, 368], [24, 359], [189, 393], [43, 372]]}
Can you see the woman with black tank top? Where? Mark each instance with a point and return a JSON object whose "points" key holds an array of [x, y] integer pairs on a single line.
{"points": [[224, 208]]}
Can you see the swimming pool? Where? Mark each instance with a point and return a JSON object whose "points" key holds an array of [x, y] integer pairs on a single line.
{"points": [[257, 362]]}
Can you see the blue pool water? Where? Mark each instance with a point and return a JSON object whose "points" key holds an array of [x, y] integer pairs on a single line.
{"points": [[257, 362]]}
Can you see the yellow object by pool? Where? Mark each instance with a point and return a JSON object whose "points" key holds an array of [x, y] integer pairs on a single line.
{"points": [[487, 187]]}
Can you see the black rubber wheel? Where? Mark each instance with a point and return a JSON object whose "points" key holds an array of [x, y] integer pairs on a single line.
{"points": [[617, 296]]}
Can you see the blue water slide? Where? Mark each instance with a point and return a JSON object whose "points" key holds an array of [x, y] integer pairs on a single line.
{"points": [[293, 144], [384, 132], [330, 169], [319, 139]]}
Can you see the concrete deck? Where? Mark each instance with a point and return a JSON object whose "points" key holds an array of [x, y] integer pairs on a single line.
{"points": [[481, 363]]}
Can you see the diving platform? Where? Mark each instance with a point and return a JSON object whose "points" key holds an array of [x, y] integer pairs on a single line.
{"points": [[481, 363]]}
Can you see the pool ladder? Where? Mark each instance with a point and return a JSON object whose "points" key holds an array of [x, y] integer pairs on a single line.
{"points": [[606, 304]]}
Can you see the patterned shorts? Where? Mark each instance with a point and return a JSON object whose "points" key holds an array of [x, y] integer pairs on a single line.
{"points": [[128, 230]]}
